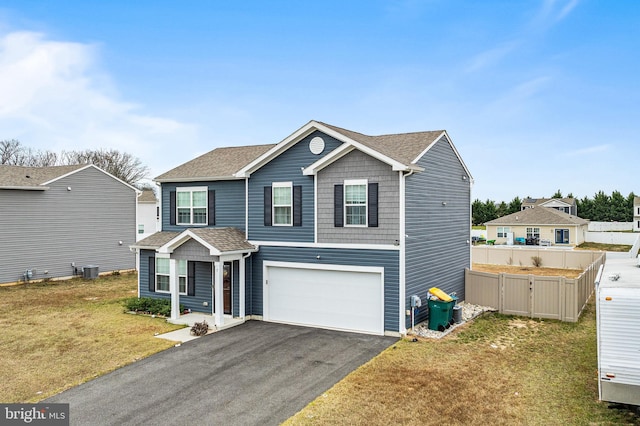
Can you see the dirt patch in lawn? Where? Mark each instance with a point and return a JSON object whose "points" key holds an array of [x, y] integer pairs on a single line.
{"points": [[527, 270]]}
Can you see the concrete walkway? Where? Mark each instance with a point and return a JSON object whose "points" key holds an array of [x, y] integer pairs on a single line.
{"points": [[184, 334]]}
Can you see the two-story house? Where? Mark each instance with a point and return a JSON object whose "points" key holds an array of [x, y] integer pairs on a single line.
{"points": [[58, 220], [567, 205], [328, 228]]}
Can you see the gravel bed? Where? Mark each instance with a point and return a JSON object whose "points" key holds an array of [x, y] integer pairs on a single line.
{"points": [[469, 312]]}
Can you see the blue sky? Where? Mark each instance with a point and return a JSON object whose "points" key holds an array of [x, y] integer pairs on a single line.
{"points": [[536, 95]]}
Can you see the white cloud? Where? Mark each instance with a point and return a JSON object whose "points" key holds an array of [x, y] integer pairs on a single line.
{"points": [[54, 96], [553, 11], [589, 150], [491, 57]]}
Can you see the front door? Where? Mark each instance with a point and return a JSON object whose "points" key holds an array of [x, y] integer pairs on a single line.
{"points": [[226, 287]]}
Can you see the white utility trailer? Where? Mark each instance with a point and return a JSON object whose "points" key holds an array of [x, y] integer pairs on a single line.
{"points": [[618, 334]]}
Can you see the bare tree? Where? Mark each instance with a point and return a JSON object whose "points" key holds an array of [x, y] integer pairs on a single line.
{"points": [[10, 151], [122, 165]]}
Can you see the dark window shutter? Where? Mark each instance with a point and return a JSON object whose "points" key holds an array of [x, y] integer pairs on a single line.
{"points": [[267, 206], [297, 205], [152, 274], [191, 278], [372, 208], [172, 208], [212, 207], [338, 205]]}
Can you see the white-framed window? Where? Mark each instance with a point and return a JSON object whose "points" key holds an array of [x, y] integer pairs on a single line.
{"points": [[502, 231], [162, 274], [191, 206], [141, 228], [182, 276], [355, 202], [282, 203], [533, 232]]}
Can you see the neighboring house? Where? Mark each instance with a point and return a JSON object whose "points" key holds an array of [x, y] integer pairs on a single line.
{"points": [[329, 228], [547, 226], [57, 220], [148, 214], [636, 214], [566, 205]]}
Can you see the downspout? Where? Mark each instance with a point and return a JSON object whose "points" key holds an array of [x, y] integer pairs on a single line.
{"points": [[243, 286], [402, 291]]}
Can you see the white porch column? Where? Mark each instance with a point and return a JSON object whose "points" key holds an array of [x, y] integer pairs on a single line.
{"points": [[218, 308], [173, 289]]}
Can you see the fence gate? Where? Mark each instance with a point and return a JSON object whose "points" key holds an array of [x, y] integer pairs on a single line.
{"points": [[516, 294]]}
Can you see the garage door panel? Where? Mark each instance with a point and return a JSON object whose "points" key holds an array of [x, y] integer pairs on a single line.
{"points": [[348, 300]]}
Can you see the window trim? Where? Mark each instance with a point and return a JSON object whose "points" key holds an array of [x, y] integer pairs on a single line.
{"points": [[505, 231], [186, 274], [168, 275], [275, 185], [533, 233], [356, 182], [191, 190]]}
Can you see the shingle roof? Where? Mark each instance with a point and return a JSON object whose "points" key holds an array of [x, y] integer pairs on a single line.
{"points": [[156, 240], [538, 216], [31, 177], [147, 196], [223, 239], [219, 163], [402, 147]]}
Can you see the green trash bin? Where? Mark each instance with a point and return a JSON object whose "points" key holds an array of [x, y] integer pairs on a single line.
{"points": [[440, 313]]}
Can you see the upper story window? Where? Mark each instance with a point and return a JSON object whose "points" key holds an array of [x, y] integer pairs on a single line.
{"points": [[282, 204], [141, 228], [355, 203], [191, 206]]}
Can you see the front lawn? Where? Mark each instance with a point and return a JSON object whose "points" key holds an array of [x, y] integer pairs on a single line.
{"points": [[59, 334]]}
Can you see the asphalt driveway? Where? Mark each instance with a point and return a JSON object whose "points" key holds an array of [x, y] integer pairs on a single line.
{"points": [[255, 373]]}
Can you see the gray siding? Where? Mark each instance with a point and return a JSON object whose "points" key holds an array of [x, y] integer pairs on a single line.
{"points": [[230, 203], [358, 165], [286, 168], [193, 250], [48, 230], [437, 248], [203, 285], [381, 258]]}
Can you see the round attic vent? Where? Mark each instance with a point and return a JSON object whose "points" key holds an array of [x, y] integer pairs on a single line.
{"points": [[316, 146]]}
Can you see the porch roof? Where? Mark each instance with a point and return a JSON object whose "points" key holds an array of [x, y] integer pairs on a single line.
{"points": [[218, 240]]}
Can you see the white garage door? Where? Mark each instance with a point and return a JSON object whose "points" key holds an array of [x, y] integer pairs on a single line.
{"points": [[330, 297]]}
